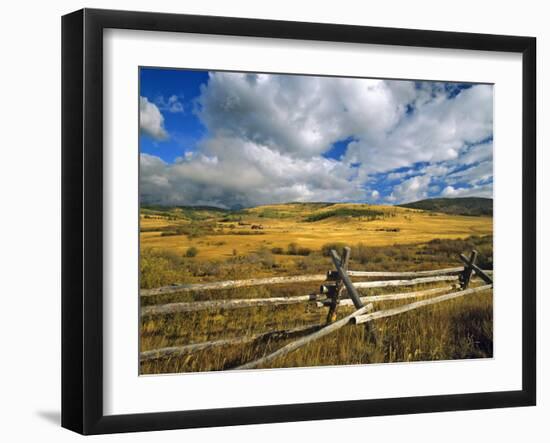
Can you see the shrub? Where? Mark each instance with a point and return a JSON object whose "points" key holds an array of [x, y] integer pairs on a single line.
{"points": [[191, 252], [295, 249], [369, 214], [277, 250], [192, 230], [308, 264], [231, 218], [263, 256], [248, 233], [168, 233], [158, 268], [362, 253]]}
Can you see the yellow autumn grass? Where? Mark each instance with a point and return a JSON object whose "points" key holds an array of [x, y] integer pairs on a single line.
{"points": [[284, 224], [255, 243]]}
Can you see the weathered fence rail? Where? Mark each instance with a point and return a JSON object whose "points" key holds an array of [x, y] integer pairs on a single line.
{"points": [[430, 273], [173, 308], [175, 351], [229, 284], [330, 295], [193, 306], [411, 282], [397, 296], [418, 304], [321, 300], [194, 287], [308, 339]]}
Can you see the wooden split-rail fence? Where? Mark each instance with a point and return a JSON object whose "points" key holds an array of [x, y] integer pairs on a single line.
{"points": [[330, 295]]}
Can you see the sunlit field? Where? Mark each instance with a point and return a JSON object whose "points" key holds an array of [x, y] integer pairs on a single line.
{"points": [[193, 245], [218, 235]]}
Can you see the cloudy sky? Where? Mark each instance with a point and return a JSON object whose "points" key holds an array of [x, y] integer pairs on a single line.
{"points": [[238, 140]]}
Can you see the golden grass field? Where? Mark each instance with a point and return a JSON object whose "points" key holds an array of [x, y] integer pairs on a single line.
{"points": [[414, 227], [203, 244]]}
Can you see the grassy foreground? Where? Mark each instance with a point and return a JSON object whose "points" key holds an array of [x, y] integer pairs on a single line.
{"points": [[457, 329], [200, 245]]}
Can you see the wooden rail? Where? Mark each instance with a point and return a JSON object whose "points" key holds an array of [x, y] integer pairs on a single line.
{"points": [[411, 282], [193, 287], [173, 308], [320, 299], [228, 284], [389, 297], [429, 273], [399, 310], [176, 351], [305, 340]]}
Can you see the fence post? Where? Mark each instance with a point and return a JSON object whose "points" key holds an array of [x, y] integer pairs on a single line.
{"points": [[352, 291], [479, 272], [466, 275], [354, 295], [336, 290]]}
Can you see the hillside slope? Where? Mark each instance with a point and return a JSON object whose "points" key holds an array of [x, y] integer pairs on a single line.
{"points": [[455, 206]]}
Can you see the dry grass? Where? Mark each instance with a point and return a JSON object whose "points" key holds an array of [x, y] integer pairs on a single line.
{"points": [[285, 224], [402, 240], [456, 329]]}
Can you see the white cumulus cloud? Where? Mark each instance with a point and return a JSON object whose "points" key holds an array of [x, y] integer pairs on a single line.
{"points": [[485, 190], [151, 121], [412, 189], [268, 135], [171, 104], [230, 173]]}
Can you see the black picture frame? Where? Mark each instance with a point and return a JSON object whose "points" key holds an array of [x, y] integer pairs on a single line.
{"points": [[82, 218]]}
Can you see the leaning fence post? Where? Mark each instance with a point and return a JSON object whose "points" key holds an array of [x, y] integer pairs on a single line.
{"points": [[335, 292], [466, 275], [479, 272], [354, 295], [352, 291]]}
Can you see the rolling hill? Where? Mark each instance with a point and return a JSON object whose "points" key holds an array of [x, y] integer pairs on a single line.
{"points": [[220, 234], [455, 206]]}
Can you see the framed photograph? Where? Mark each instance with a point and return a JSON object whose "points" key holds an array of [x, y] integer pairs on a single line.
{"points": [[269, 221]]}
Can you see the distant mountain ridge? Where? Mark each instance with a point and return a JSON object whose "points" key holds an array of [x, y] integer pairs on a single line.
{"points": [[456, 206]]}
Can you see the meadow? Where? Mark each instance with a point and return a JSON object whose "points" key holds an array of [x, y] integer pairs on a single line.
{"points": [[192, 245]]}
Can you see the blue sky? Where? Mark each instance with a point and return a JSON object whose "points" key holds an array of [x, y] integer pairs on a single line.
{"points": [[184, 127], [234, 139]]}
